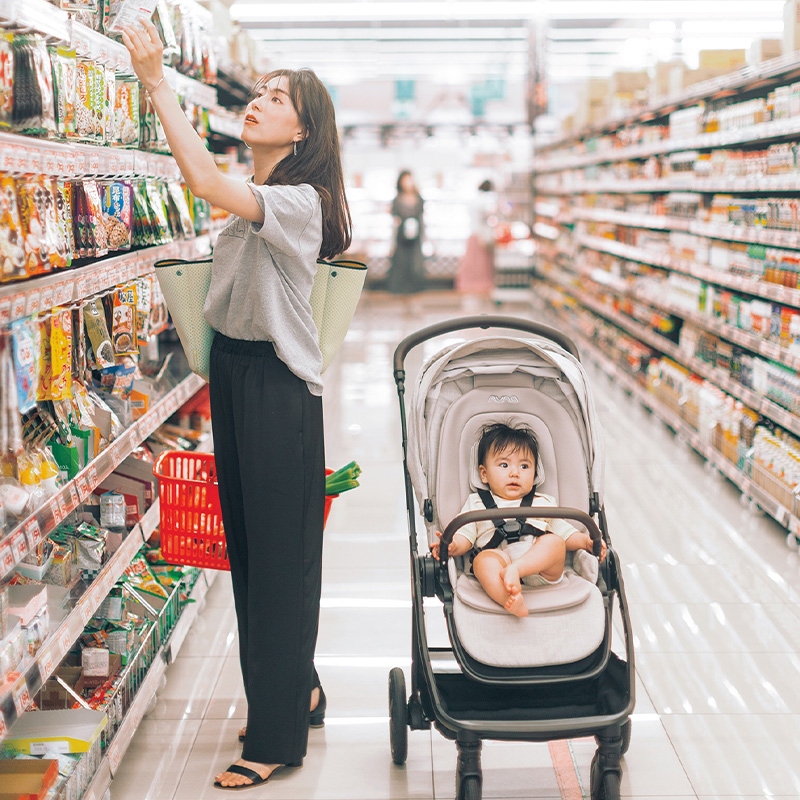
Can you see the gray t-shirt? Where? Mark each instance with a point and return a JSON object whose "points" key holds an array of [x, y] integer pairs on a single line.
{"points": [[262, 276]]}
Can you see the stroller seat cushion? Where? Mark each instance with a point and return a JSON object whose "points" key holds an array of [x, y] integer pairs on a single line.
{"points": [[571, 591]]}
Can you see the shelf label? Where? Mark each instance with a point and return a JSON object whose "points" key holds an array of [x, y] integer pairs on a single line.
{"points": [[32, 305], [5, 311], [33, 532], [6, 558], [22, 697], [19, 546], [55, 510], [45, 663], [92, 477], [83, 488], [18, 304], [64, 641], [83, 285], [114, 757], [47, 297], [3, 727], [73, 494]]}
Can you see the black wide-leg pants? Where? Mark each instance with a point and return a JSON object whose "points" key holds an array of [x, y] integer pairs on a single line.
{"points": [[268, 440]]}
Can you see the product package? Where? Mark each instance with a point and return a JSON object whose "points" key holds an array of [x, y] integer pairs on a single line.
{"points": [[96, 328], [117, 215], [64, 83], [126, 113], [26, 364], [33, 112], [6, 80], [12, 239], [123, 333]]}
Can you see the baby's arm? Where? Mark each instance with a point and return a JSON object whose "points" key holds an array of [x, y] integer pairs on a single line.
{"points": [[580, 540], [458, 547]]}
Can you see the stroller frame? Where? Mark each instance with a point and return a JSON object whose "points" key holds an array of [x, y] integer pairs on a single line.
{"points": [[431, 696]]}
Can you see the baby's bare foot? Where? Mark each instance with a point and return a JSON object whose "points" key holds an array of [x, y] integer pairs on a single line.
{"points": [[511, 579], [516, 605]]}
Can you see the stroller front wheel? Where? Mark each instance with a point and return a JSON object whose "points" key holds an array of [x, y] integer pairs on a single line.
{"points": [[398, 716]]}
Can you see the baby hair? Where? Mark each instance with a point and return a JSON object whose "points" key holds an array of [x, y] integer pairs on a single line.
{"points": [[500, 437]]}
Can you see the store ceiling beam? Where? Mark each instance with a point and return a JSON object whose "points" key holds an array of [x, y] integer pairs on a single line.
{"points": [[388, 10], [379, 26]]}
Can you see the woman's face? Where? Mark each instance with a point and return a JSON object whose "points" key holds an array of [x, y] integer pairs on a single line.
{"points": [[407, 184], [270, 118]]}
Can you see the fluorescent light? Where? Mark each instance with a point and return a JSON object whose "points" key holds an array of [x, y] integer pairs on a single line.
{"points": [[390, 34], [661, 9]]}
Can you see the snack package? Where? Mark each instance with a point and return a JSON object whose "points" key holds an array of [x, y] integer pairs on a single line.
{"points": [[159, 314], [12, 238], [44, 385], [36, 238], [109, 102], [144, 302], [163, 22], [33, 87], [129, 13], [64, 80], [55, 232], [84, 113], [80, 224], [117, 215], [94, 209], [179, 199], [63, 206], [61, 353], [78, 344], [96, 327], [126, 113], [25, 364], [159, 211], [123, 326], [139, 575], [6, 79]]}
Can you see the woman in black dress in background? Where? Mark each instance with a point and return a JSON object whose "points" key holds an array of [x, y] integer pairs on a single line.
{"points": [[407, 270]]}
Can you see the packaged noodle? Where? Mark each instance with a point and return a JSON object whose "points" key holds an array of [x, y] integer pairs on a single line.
{"points": [[63, 204], [55, 232], [6, 79], [25, 364], [123, 324], [126, 113], [36, 239], [117, 215], [61, 353], [65, 73], [44, 387], [96, 327], [84, 113], [95, 217], [140, 576], [78, 344], [144, 300], [12, 238]]}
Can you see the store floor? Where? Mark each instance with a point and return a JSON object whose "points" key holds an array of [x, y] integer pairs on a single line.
{"points": [[713, 590]]}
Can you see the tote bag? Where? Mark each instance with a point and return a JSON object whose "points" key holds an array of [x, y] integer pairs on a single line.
{"points": [[184, 284]]}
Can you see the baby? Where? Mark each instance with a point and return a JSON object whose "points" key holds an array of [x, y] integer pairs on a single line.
{"points": [[507, 459]]}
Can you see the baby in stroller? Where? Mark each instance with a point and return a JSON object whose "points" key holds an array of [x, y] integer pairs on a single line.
{"points": [[507, 553]]}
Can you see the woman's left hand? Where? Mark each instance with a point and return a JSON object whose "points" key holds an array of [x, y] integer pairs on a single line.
{"points": [[144, 45]]}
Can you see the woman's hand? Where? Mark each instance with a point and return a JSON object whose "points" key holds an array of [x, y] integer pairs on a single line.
{"points": [[144, 45]]}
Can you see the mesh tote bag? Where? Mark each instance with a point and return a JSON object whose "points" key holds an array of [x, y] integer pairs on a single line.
{"points": [[184, 284]]}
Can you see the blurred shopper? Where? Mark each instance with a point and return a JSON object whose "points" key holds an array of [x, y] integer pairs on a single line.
{"points": [[476, 269], [407, 270]]}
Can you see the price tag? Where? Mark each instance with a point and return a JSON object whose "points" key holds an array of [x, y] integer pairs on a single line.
{"points": [[55, 510], [73, 495], [92, 477], [770, 350], [35, 161], [61, 167], [46, 664], [83, 488], [33, 532], [18, 305], [19, 546], [22, 697], [64, 641], [32, 306], [80, 163], [6, 558], [49, 162], [47, 297], [114, 757], [3, 727], [5, 311], [86, 608], [94, 162], [83, 284], [782, 515]]}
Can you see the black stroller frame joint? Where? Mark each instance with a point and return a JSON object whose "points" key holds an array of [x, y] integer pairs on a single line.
{"points": [[591, 697]]}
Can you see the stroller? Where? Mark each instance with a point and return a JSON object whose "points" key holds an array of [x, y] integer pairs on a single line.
{"points": [[550, 675]]}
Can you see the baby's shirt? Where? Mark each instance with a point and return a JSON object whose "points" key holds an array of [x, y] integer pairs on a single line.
{"points": [[480, 533]]}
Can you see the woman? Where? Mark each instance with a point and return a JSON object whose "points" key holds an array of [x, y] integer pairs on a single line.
{"points": [[476, 269], [265, 385], [407, 270]]}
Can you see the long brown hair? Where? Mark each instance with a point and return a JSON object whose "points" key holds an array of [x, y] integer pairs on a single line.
{"points": [[317, 162]]}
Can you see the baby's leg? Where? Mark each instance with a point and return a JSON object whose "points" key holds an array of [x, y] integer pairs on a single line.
{"points": [[545, 558], [488, 567]]}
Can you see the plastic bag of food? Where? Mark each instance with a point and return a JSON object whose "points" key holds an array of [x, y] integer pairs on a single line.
{"points": [[117, 215], [96, 327]]}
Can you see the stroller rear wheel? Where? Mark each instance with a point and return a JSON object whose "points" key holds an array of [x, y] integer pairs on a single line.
{"points": [[398, 716], [470, 789], [603, 785]]}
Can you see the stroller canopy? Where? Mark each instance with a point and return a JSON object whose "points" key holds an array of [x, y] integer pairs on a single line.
{"points": [[552, 384]]}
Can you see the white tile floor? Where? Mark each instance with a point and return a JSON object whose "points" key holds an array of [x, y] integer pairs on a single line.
{"points": [[713, 590]]}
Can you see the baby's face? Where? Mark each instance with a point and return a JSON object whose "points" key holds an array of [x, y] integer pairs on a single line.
{"points": [[509, 473]]}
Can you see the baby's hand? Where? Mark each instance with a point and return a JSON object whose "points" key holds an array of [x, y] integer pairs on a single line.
{"points": [[589, 545]]}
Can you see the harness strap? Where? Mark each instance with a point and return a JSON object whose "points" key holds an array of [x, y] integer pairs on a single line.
{"points": [[510, 530]]}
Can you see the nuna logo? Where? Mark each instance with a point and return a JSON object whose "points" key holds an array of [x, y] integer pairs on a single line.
{"points": [[504, 398]]}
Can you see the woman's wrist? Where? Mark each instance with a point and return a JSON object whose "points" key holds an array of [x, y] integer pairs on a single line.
{"points": [[158, 83]]}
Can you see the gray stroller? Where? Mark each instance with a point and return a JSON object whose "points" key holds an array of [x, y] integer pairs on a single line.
{"points": [[553, 674]]}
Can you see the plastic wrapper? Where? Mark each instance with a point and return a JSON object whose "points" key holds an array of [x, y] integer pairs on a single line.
{"points": [[96, 327], [64, 81], [144, 303], [78, 344], [178, 199], [117, 215], [129, 13], [126, 113], [90, 547], [85, 113], [159, 314], [163, 22], [159, 211], [12, 238], [112, 510], [10, 431], [25, 364], [63, 207], [123, 329], [33, 87], [94, 209], [44, 386], [6, 80], [61, 353], [139, 575], [55, 232], [38, 240], [15, 497]]}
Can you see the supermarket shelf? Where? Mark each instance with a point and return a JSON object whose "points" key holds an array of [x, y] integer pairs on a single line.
{"points": [[784, 68], [768, 291], [21, 539], [712, 230], [544, 209], [740, 479], [751, 184], [16, 699], [19, 300], [715, 375], [226, 124], [121, 741]]}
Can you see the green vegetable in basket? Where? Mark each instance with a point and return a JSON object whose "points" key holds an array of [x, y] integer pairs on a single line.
{"points": [[343, 479]]}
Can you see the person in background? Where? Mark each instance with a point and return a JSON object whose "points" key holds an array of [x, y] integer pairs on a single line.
{"points": [[265, 385], [407, 270], [476, 269]]}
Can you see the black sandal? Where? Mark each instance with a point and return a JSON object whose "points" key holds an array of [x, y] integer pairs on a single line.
{"points": [[246, 772]]}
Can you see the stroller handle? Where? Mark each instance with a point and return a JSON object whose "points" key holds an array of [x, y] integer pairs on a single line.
{"points": [[539, 512], [480, 321]]}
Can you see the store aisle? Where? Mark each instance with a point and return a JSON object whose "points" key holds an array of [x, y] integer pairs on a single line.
{"points": [[714, 605]]}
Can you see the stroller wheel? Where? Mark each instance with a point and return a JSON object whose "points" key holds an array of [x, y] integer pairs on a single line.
{"points": [[626, 736], [470, 789], [398, 716], [603, 785]]}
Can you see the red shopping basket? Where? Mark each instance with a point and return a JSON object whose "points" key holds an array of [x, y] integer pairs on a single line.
{"points": [[191, 521]]}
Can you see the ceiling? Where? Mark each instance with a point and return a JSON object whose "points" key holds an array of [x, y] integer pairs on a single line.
{"points": [[459, 41]]}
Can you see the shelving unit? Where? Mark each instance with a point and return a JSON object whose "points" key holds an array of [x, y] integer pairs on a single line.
{"points": [[571, 227]]}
